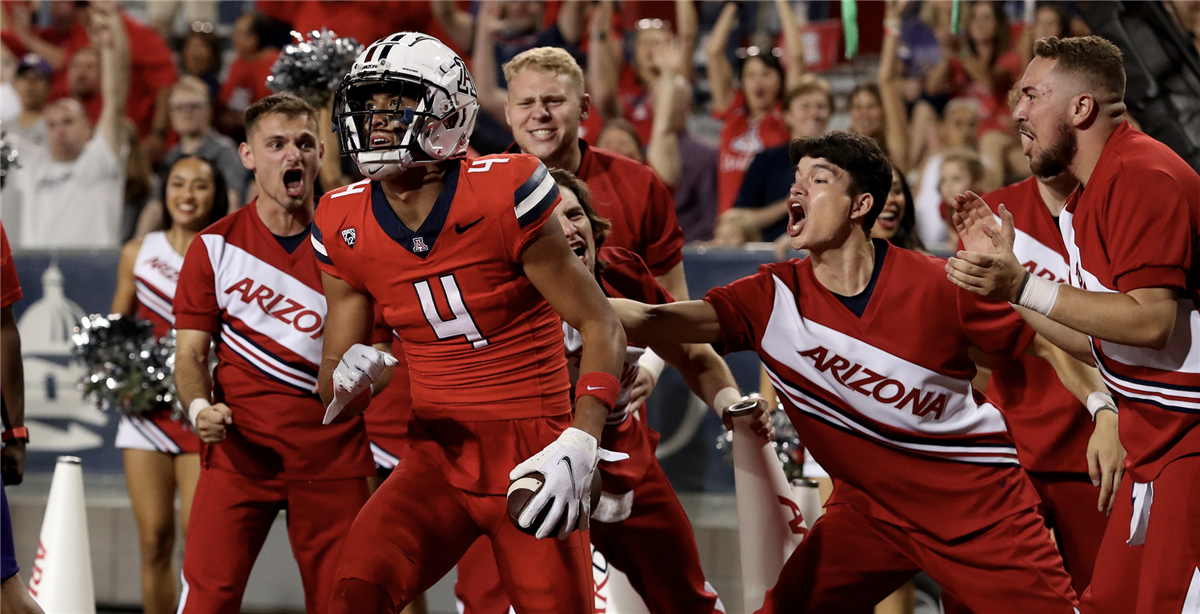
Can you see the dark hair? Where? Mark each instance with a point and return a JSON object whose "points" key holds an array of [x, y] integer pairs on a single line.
{"points": [[770, 61], [626, 126], [286, 104], [906, 232], [220, 206], [1061, 15], [269, 31], [600, 225], [1001, 40], [808, 85], [1098, 62], [869, 168], [211, 41]]}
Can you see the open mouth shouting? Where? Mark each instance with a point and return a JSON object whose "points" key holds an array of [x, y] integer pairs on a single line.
{"points": [[889, 218], [796, 216], [579, 246], [293, 182]]}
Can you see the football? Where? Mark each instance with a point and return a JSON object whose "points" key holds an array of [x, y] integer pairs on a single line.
{"points": [[522, 489]]}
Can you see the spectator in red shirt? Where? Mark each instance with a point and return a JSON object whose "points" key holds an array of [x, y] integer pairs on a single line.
{"points": [[247, 80], [982, 66], [621, 89], [54, 43], [752, 120]]}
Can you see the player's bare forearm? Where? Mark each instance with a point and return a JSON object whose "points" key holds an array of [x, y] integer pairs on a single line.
{"points": [[679, 322], [1142, 318], [571, 290], [12, 372], [349, 320], [675, 282], [702, 369], [1067, 339], [1078, 378], [192, 378]]}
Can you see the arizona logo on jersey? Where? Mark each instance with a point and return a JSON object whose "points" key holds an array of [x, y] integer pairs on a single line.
{"points": [[453, 288]]}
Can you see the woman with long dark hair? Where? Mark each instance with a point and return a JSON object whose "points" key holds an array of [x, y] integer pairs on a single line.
{"points": [[897, 223], [162, 454]]}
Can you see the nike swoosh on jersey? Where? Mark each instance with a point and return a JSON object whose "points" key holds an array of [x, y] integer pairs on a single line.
{"points": [[461, 229]]}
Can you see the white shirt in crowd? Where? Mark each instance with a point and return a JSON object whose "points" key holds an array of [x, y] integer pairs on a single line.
{"points": [[75, 204]]}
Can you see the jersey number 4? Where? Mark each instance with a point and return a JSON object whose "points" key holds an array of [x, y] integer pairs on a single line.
{"points": [[461, 325]]}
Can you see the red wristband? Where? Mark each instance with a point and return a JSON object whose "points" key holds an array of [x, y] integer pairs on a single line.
{"points": [[21, 432], [599, 384]]}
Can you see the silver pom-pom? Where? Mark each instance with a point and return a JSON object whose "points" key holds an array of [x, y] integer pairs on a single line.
{"points": [[312, 69], [128, 369], [786, 443], [8, 161]]}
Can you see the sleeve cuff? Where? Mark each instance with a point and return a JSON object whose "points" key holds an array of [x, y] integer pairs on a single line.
{"points": [[1153, 277], [210, 323]]}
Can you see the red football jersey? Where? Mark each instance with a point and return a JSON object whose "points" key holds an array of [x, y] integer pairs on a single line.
{"points": [[884, 401], [247, 82], [10, 286], [266, 310], [387, 415], [1050, 426], [1137, 225], [482, 343], [741, 140]]}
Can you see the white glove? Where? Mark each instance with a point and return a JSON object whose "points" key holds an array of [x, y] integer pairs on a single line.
{"points": [[360, 366], [567, 464]]}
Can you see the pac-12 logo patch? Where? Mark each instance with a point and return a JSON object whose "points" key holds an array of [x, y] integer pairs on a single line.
{"points": [[348, 235], [419, 245]]}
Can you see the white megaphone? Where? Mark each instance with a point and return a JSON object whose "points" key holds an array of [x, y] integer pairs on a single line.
{"points": [[770, 520], [61, 578]]}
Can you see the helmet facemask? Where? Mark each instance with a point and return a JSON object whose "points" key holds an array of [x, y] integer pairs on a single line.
{"points": [[401, 110]]}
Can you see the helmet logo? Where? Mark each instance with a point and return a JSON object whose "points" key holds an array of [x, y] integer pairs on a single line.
{"points": [[348, 236], [419, 245]]}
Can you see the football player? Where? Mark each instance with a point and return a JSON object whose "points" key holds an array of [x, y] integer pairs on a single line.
{"points": [[474, 275]]}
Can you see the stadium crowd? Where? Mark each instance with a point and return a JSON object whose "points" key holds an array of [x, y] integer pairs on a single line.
{"points": [[146, 127]]}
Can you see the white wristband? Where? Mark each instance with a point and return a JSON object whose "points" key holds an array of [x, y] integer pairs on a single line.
{"points": [[1100, 400], [1038, 294], [724, 398], [195, 407], [652, 363]]}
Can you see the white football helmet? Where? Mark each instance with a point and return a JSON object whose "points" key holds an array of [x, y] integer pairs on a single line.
{"points": [[416, 66]]}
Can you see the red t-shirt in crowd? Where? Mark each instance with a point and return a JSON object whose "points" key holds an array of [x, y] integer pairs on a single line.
{"points": [[637, 103], [484, 348], [10, 286], [268, 307], [884, 400], [1136, 224], [365, 20], [994, 113], [152, 67], [741, 140], [1050, 426], [247, 81]]}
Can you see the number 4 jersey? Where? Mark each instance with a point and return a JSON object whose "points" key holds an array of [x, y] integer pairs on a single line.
{"points": [[482, 343]]}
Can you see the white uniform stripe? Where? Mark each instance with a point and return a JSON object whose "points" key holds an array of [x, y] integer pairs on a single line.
{"points": [[155, 434], [184, 594], [1186, 399], [154, 302], [535, 197], [383, 459], [317, 245], [1191, 603], [997, 454], [265, 361]]}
